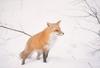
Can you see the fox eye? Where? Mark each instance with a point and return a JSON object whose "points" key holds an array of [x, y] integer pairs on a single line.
{"points": [[56, 30]]}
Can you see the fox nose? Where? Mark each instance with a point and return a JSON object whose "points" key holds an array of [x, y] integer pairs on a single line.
{"points": [[63, 33]]}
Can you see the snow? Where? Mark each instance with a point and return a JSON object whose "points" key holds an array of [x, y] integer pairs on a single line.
{"points": [[75, 49]]}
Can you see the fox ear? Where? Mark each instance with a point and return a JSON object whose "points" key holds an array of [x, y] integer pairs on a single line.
{"points": [[58, 21], [48, 23]]}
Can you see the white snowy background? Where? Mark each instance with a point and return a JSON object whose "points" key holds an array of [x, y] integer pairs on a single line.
{"points": [[76, 49]]}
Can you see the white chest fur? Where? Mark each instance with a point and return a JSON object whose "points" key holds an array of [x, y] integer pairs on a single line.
{"points": [[52, 40]]}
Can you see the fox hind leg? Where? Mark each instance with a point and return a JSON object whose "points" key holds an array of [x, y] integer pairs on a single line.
{"points": [[23, 61], [24, 55]]}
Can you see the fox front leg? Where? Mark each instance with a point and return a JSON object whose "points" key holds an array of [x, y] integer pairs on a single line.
{"points": [[45, 55], [47, 52], [38, 55]]}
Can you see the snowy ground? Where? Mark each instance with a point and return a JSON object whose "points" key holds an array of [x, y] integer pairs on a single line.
{"points": [[73, 50]]}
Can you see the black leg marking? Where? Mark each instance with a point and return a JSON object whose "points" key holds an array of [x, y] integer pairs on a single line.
{"points": [[44, 57], [23, 62], [47, 54]]}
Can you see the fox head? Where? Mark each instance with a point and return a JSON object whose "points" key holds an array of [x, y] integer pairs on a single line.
{"points": [[55, 28]]}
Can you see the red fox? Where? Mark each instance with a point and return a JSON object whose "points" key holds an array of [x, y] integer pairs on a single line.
{"points": [[42, 42]]}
